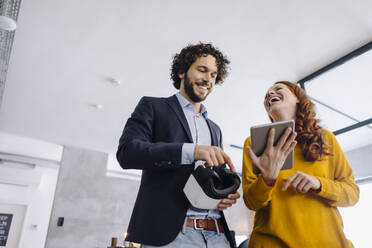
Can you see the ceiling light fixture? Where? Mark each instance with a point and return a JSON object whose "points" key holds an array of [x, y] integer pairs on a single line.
{"points": [[115, 82], [7, 23], [97, 106]]}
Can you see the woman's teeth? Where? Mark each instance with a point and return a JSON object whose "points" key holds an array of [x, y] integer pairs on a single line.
{"points": [[273, 100]]}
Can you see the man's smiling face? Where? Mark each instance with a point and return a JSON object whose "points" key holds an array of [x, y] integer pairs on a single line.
{"points": [[200, 79]]}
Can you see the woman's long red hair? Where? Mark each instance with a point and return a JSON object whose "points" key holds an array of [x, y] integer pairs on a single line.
{"points": [[309, 134]]}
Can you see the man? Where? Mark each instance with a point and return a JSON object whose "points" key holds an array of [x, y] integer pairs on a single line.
{"points": [[165, 137]]}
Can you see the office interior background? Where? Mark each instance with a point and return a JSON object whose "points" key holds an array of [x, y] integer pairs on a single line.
{"points": [[73, 71]]}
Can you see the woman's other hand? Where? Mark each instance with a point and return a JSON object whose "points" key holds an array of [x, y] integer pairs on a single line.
{"points": [[302, 183], [273, 158]]}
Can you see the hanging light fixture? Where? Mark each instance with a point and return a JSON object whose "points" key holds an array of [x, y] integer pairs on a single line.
{"points": [[7, 23]]}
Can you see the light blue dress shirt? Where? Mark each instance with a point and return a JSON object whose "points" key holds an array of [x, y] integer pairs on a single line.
{"points": [[201, 135]]}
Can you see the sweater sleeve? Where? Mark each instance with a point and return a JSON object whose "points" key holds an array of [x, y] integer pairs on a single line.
{"points": [[340, 189], [256, 193]]}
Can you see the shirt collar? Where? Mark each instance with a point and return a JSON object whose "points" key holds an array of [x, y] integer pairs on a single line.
{"points": [[185, 104]]}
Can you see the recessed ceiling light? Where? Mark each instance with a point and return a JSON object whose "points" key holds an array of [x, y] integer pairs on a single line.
{"points": [[115, 82], [97, 106]]}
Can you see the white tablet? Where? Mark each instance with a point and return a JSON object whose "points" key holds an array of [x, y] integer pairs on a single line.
{"points": [[259, 135]]}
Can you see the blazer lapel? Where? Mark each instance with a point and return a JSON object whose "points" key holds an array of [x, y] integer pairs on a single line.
{"points": [[176, 107], [213, 134]]}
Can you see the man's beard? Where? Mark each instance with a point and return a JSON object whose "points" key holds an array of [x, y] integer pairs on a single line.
{"points": [[190, 91]]}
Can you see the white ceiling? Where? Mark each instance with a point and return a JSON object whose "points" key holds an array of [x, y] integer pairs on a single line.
{"points": [[65, 52]]}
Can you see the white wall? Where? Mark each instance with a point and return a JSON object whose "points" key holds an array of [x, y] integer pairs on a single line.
{"points": [[358, 219], [39, 201], [22, 159]]}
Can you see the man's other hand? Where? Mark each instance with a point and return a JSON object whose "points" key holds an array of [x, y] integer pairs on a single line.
{"points": [[228, 202]]}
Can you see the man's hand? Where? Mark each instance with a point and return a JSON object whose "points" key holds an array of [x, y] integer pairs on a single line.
{"points": [[213, 156], [228, 202], [273, 158], [302, 183]]}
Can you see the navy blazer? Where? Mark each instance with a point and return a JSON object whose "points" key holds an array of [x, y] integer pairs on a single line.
{"points": [[152, 141]]}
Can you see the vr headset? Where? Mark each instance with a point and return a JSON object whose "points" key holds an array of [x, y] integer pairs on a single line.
{"points": [[206, 186]]}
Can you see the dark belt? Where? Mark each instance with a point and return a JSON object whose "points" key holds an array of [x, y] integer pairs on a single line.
{"points": [[202, 224]]}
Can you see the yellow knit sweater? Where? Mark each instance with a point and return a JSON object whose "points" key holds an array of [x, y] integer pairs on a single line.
{"points": [[288, 219]]}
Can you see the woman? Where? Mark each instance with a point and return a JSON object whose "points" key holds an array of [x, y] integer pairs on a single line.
{"points": [[298, 207]]}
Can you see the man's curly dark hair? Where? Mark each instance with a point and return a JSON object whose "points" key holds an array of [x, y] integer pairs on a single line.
{"points": [[188, 55]]}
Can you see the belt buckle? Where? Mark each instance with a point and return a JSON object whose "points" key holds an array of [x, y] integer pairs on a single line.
{"points": [[195, 226]]}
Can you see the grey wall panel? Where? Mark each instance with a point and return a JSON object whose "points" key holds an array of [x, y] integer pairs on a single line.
{"points": [[95, 207]]}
